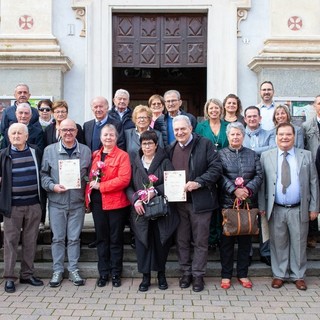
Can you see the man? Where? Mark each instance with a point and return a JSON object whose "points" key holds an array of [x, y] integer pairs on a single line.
{"points": [[266, 105], [199, 158], [311, 130], [20, 205], [120, 110], [173, 103], [22, 95], [66, 205], [92, 128], [289, 196], [258, 140], [35, 134]]}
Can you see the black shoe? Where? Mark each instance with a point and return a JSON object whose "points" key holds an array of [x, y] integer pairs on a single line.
{"points": [[116, 281], [33, 281], [9, 286], [103, 281], [197, 284], [266, 260], [92, 245], [133, 242], [185, 281], [162, 281], [145, 284]]}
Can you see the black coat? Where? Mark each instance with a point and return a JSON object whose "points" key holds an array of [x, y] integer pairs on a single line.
{"points": [[168, 224], [243, 163], [204, 168]]}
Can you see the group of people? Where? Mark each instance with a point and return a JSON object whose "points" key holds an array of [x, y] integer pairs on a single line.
{"points": [[49, 161]]}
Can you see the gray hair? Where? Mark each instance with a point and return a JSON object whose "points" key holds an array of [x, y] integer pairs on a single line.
{"points": [[236, 125], [18, 125], [21, 85], [121, 92], [181, 117], [112, 127], [24, 105], [176, 92]]}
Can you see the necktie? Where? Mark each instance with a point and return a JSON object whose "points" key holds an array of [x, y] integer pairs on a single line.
{"points": [[285, 173]]}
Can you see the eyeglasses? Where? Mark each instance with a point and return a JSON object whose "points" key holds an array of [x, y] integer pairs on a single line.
{"points": [[142, 118], [171, 101], [60, 112], [44, 109], [65, 130], [147, 144]]}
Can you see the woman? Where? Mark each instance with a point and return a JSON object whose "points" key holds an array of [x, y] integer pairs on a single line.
{"points": [[45, 113], [141, 117], [60, 112], [156, 104], [281, 115], [237, 161], [153, 237], [232, 109], [213, 127], [109, 177]]}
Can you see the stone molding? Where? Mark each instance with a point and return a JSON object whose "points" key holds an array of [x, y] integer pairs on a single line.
{"points": [[79, 7]]}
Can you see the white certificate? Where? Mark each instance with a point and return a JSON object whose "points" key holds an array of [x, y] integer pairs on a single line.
{"points": [[69, 173], [174, 183]]}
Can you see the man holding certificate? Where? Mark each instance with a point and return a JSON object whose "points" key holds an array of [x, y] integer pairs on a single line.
{"points": [[198, 157], [64, 166]]}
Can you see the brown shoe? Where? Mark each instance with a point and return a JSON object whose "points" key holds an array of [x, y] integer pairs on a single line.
{"points": [[312, 242], [301, 285], [277, 283]]}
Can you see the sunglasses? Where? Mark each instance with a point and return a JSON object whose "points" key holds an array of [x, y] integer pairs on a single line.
{"points": [[45, 109]]}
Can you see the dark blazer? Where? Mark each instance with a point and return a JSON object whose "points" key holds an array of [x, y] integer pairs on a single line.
{"points": [[50, 134], [88, 132]]}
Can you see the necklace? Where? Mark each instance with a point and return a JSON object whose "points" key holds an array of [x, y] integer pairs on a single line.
{"points": [[215, 138]]}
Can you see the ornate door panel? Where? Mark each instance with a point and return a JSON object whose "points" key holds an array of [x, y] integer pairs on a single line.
{"points": [[158, 41]]}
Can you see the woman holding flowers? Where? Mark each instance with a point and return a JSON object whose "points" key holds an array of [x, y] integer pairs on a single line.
{"points": [[153, 237], [240, 182], [109, 177]]}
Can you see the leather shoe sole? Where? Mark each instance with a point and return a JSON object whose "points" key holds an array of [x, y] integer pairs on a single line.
{"points": [[301, 285], [9, 286], [277, 283], [32, 281], [185, 281], [102, 281]]}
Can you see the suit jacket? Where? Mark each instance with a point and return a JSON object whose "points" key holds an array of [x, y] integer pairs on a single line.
{"points": [[88, 132], [311, 136], [309, 187]]}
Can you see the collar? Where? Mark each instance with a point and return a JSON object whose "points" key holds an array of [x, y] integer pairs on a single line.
{"points": [[267, 107], [62, 146], [103, 121], [291, 151], [188, 142], [15, 149], [251, 133]]}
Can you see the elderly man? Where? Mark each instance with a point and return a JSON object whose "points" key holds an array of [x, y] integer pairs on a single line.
{"points": [[173, 103], [266, 105], [22, 95], [120, 110], [24, 115], [66, 203], [20, 204], [199, 158], [92, 128], [289, 196]]}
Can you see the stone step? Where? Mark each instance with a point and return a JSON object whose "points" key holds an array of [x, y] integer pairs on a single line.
{"points": [[89, 269]]}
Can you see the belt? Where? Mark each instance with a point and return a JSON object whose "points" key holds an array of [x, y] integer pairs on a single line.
{"points": [[288, 205]]}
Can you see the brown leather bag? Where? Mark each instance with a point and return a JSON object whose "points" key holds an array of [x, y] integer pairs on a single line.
{"points": [[238, 221]]}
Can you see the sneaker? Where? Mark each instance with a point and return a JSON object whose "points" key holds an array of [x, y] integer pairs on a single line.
{"points": [[56, 279], [75, 278]]}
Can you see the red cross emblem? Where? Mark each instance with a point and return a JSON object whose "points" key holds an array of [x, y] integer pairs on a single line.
{"points": [[25, 22], [294, 23]]}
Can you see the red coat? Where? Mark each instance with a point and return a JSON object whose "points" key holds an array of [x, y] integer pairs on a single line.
{"points": [[115, 178]]}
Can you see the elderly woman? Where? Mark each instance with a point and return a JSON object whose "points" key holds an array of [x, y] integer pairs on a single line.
{"points": [[153, 237], [45, 113], [232, 109], [237, 161], [109, 177], [141, 116], [156, 104], [60, 112], [282, 115]]}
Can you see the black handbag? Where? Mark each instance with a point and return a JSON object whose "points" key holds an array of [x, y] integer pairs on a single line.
{"points": [[156, 207]]}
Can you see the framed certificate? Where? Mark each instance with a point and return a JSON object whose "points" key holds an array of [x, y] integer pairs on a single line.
{"points": [[69, 173], [174, 183]]}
